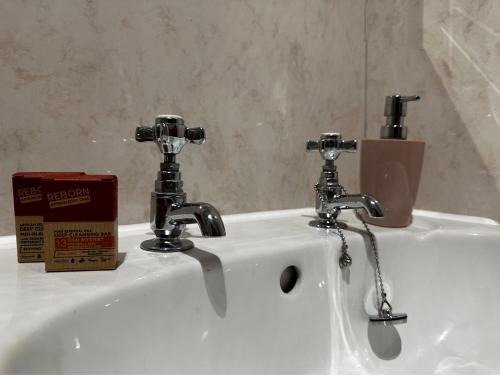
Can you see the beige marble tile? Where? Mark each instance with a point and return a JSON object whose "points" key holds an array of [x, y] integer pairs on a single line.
{"points": [[446, 51], [260, 76]]}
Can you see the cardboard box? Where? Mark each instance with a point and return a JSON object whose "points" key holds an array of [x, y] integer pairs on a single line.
{"points": [[28, 211], [80, 222]]}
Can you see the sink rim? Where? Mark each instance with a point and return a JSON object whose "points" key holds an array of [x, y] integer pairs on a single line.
{"points": [[142, 264]]}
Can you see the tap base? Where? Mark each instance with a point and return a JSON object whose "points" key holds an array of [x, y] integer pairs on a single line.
{"points": [[326, 224], [166, 245]]}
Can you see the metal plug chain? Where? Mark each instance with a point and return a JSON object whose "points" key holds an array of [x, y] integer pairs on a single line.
{"points": [[384, 307], [345, 260]]}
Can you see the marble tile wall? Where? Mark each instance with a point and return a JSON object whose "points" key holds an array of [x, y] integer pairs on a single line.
{"points": [[448, 52], [261, 76]]}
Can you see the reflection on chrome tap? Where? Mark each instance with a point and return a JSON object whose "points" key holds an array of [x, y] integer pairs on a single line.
{"points": [[169, 210], [331, 197]]}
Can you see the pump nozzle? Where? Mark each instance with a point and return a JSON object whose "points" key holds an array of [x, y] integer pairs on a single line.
{"points": [[395, 111]]}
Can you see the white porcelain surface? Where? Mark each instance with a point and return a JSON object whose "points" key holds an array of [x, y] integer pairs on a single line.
{"points": [[220, 308]]}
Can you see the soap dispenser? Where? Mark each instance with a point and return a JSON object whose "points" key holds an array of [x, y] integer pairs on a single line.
{"points": [[391, 166]]}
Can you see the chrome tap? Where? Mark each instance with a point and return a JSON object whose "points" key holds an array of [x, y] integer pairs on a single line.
{"points": [[169, 210], [331, 197]]}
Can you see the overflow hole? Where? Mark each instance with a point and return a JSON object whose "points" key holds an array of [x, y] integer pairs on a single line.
{"points": [[289, 278]]}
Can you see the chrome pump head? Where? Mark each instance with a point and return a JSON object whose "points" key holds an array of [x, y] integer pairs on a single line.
{"points": [[395, 113]]}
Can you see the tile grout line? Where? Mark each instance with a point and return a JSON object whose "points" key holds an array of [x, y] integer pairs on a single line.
{"points": [[365, 105]]}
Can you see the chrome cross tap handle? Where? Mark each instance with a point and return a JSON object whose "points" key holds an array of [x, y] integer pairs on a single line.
{"points": [[330, 145], [170, 134], [169, 210], [331, 197]]}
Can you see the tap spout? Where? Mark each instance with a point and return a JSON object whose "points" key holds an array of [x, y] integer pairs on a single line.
{"points": [[207, 217], [359, 201]]}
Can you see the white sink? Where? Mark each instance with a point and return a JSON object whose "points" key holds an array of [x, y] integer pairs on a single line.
{"points": [[220, 308]]}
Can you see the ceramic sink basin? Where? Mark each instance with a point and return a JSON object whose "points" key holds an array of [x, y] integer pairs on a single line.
{"points": [[220, 308]]}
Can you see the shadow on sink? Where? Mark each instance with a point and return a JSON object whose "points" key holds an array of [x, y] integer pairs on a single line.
{"points": [[121, 259], [213, 275], [385, 341]]}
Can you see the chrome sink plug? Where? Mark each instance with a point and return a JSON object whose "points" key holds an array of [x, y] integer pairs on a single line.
{"points": [[169, 210], [331, 197]]}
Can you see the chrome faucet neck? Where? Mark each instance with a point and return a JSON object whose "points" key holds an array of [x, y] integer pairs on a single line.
{"points": [[169, 210], [331, 197]]}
